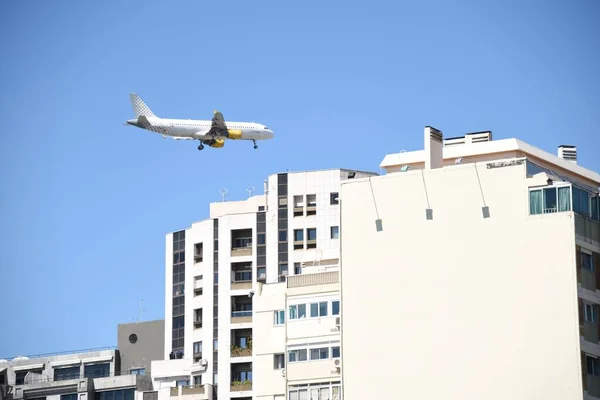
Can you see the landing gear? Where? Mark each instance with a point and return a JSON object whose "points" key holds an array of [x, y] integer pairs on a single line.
{"points": [[201, 146], [255, 145]]}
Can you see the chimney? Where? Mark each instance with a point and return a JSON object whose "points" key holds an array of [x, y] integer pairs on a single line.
{"points": [[434, 157], [568, 152]]}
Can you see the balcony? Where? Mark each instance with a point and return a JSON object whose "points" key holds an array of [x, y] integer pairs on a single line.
{"points": [[241, 340], [241, 242], [194, 392], [321, 278], [241, 309], [241, 375], [241, 275]]}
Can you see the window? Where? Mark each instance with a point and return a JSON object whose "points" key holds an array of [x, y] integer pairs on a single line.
{"points": [[261, 273], [586, 261], [198, 252], [261, 238], [591, 313], [97, 370], [61, 374], [311, 233], [297, 269], [335, 307], [122, 394], [298, 311], [298, 235], [278, 361], [335, 232], [138, 371], [318, 309], [311, 200], [283, 236], [592, 366], [279, 317], [70, 396], [297, 355], [581, 201], [335, 352], [197, 380], [334, 198], [550, 200], [283, 202], [321, 353], [215, 344], [283, 269], [198, 348]]}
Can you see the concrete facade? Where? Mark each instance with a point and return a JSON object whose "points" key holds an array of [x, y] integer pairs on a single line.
{"points": [[215, 271], [471, 271], [139, 344], [93, 374]]}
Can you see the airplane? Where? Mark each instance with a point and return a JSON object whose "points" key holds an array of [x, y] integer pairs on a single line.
{"points": [[212, 133]]}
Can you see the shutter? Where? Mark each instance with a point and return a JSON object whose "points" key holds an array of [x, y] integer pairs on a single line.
{"points": [[578, 263], [583, 371]]}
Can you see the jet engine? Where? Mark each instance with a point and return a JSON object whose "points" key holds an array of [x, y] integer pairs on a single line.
{"points": [[234, 133], [218, 143]]}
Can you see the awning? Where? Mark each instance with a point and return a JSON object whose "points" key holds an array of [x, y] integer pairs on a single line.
{"points": [[66, 363], [28, 367]]}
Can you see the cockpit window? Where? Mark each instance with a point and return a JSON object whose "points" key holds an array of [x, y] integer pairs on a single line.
{"points": [[265, 127]]}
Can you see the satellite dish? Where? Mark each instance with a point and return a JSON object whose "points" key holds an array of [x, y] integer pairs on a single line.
{"points": [[223, 193]]}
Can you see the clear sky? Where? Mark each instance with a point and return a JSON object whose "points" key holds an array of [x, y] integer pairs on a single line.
{"points": [[86, 201]]}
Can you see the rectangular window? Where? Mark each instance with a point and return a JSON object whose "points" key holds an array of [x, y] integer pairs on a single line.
{"points": [[587, 261], [335, 232], [283, 236], [550, 200], [581, 202], [279, 317], [198, 252], [197, 380], [278, 361], [215, 344], [261, 273], [311, 200], [197, 347], [592, 366], [297, 269], [334, 198], [335, 352], [138, 371], [260, 238], [297, 355], [319, 354], [311, 233], [61, 374], [283, 269], [97, 370], [298, 235], [298, 311], [591, 313], [335, 307], [318, 309]]}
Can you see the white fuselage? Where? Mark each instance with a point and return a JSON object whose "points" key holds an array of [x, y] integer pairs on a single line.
{"points": [[198, 129]]}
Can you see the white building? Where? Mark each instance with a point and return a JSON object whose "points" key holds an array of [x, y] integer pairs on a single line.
{"points": [[227, 275], [470, 272]]}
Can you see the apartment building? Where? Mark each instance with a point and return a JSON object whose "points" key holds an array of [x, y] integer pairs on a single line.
{"points": [[480, 279], [215, 268], [88, 375]]}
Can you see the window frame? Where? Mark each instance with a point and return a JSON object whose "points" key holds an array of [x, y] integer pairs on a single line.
{"points": [[590, 313], [277, 320]]}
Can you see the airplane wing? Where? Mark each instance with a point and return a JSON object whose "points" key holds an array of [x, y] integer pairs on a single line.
{"points": [[218, 126]]}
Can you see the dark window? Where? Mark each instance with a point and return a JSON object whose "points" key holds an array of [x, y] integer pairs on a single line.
{"points": [[124, 394], [311, 233], [334, 198], [61, 374], [97, 370], [178, 322], [283, 236], [335, 352], [71, 396], [335, 307], [260, 238], [592, 366], [278, 361]]}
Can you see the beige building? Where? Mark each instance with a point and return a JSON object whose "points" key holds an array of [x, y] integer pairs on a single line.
{"points": [[469, 271]]}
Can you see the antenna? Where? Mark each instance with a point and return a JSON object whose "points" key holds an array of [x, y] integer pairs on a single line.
{"points": [[223, 193], [250, 189], [141, 310]]}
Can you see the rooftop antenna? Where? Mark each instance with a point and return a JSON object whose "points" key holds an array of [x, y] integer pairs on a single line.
{"points": [[141, 310], [223, 193], [250, 189]]}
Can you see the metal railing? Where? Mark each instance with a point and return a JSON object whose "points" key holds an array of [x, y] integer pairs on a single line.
{"points": [[245, 313], [40, 378], [61, 353]]}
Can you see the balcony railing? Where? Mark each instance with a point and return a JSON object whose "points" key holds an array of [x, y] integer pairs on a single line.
{"points": [[35, 378], [244, 313], [238, 386], [321, 278]]}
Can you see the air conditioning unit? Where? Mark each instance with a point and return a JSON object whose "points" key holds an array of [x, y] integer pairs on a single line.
{"points": [[337, 321], [204, 362]]}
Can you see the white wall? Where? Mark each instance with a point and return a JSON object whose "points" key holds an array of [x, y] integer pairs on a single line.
{"points": [[458, 307]]}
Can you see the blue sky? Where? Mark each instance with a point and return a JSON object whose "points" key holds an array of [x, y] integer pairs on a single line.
{"points": [[86, 202]]}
